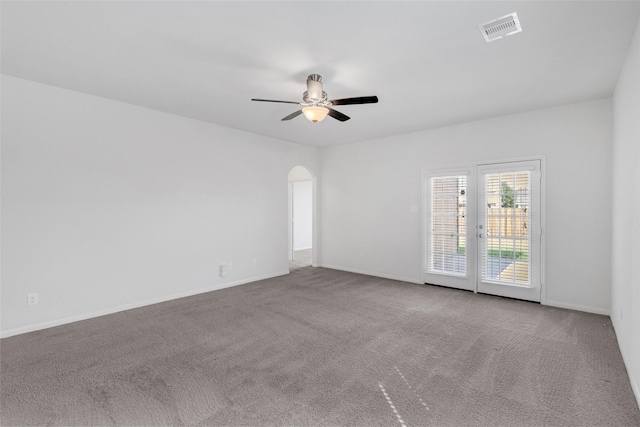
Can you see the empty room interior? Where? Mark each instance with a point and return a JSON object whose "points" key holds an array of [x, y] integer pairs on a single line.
{"points": [[320, 213]]}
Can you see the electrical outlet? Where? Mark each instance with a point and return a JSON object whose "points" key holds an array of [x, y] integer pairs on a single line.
{"points": [[32, 299], [224, 270], [254, 261]]}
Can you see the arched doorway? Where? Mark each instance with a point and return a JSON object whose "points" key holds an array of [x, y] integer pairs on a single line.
{"points": [[301, 218]]}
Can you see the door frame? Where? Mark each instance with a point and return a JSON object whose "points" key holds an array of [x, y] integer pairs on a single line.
{"points": [[315, 226], [291, 219], [472, 168]]}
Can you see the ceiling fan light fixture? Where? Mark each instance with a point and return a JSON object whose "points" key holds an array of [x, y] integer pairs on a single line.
{"points": [[315, 113]]}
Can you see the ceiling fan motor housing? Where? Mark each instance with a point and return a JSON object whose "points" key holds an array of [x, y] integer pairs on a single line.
{"points": [[314, 91]]}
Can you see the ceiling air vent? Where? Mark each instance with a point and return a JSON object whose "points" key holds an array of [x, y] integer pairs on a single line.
{"points": [[500, 27]]}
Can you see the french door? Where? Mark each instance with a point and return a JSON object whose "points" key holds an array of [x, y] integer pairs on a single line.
{"points": [[483, 229], [450, 209]]}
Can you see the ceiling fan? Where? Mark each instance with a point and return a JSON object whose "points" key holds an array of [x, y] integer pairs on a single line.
{"points": [[315, 104]]}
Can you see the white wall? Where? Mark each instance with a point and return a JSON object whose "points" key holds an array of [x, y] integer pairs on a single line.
{"points": [[302, 215], [368, 189], [625, 254], [107, 205], [299, 173]]}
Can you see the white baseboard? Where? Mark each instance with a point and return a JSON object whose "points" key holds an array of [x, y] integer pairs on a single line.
{"points": [[58, 322], [303, 249], [633, 379], [634, 385], [577, 307], [375, 274]]}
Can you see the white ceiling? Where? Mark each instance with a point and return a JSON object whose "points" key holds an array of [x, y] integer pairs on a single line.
{"points": [[426, 61]]}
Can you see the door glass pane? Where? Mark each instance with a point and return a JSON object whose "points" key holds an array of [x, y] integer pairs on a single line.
{"points": [[448, 228], [506, 243]]}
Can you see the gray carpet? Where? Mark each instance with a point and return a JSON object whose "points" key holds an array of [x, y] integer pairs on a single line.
{"points": [[322, 347]]}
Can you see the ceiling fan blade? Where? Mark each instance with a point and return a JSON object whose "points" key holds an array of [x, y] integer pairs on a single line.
{"points": [[292, 115], [338, 115], [358, 100], [273, 100]]}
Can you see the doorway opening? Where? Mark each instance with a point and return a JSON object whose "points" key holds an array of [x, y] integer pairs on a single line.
{"points": [[301, 218]]}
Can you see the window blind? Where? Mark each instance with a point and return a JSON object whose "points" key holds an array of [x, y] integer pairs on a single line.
{"points": [[506, 242], [448, 225]]}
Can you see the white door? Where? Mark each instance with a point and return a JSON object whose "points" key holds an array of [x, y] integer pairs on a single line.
{"points": [[449, 224], [509, 230], [483, 229]]}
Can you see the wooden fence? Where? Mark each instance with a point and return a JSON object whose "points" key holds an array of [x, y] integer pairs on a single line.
{"points": [[508, 222]]}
